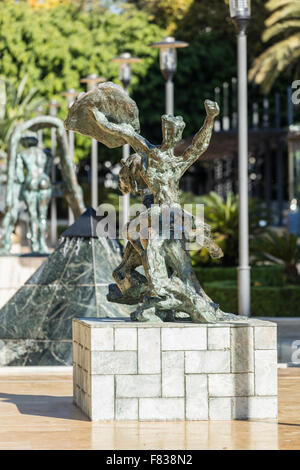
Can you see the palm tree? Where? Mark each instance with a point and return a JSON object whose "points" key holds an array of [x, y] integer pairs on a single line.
{"points": [[223, 217], [284, 21], [278, 249], [15, 107]]}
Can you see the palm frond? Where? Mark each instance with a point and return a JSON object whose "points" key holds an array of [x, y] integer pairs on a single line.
{"points": [[282, 249], [275, 4], [289, 11], [11, 125], [274, 60], [15, 107], [34, 105], [11, 93], [20, 89], [28, 97], [280, 28]]}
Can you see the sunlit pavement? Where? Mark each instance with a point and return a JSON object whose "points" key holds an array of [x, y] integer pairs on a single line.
{"points": [[36, 412]]}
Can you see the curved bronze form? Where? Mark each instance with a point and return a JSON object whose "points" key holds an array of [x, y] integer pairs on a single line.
{"points": [[169, 289], [28, 178]]}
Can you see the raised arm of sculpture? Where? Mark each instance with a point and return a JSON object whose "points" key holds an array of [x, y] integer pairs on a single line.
{"points": [[125, 131], [201, 140]]}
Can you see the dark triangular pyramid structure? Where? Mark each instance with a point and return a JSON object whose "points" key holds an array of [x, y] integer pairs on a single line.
{"points": [[85, 226], [36, 323]]}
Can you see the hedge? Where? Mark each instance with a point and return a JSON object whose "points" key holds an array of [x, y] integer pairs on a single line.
{"points": [[272, 275], [267, 301]]}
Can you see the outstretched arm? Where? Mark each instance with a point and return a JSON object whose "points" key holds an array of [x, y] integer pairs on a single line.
{"points": [[137, 142], [201, 140]]}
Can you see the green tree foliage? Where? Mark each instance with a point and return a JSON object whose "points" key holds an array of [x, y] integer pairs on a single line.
{"points": [[209, 60], [187, 19], [15, 107], [56, 47], [166, 13]]}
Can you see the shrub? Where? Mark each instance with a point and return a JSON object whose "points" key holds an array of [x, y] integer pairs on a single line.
{"points": [[265, 301], [282, 249], [223, 217], [272, 275]]}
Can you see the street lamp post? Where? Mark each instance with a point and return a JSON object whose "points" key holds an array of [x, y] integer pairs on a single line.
{"points": [[240, 15], [91, 81], [168, 66], [125, 60], [70, 96]]}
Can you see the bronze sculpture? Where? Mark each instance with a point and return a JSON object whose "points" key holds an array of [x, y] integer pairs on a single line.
{"points": [[32, 184], [169, 289], [28, 179]]}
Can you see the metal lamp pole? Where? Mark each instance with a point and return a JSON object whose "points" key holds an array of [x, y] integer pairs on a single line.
{"points": [[91, 81], [168, 66], [240, 14], [53, 105], [70, 96], [125, 60]]}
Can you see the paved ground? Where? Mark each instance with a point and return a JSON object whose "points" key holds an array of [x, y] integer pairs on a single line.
{"points": [[288, 337], [36, 412]]}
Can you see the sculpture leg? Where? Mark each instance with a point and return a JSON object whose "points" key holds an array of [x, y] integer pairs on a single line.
{"points": [[172, 285], [44, 197], [130, 286], [9, 221], [157, 276], [178, 259], [31, 200], [6, 229], [171, 288], [5, 233]]}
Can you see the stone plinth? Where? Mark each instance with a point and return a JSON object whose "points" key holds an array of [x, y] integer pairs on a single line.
{"points": [[174, 371]]}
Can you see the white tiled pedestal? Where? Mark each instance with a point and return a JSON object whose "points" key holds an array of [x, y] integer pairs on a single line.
{"points": [[125, 370]]}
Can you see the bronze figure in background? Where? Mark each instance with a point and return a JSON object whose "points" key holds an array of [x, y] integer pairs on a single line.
{"points": [[29, 179]]}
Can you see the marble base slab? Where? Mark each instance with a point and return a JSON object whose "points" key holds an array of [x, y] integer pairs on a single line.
{"points": [[14, 272], [36, 322], [124, 370], [31, 352]]}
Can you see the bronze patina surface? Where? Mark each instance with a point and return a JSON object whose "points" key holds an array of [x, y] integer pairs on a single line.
{"points": [[114, 104], [168, 289], [28, 179]]}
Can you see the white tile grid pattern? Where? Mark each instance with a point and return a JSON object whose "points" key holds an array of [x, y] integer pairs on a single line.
{"points": [[136, 373]]}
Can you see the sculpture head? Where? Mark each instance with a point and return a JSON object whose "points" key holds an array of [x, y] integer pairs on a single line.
{"points": [[172, 129], [29, 139]]}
